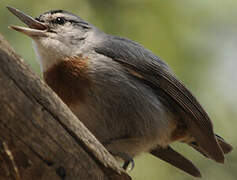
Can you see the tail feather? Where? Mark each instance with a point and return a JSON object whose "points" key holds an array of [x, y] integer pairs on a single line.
{"points": [[171, 156]]}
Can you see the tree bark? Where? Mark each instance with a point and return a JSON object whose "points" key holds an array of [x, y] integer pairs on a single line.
{"points": [[40, 138]]}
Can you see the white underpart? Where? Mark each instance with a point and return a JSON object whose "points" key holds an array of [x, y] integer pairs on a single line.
{"points": [[56, 47], [45, 57]]}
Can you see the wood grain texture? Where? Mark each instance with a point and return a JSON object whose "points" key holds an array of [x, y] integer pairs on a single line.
{"points": [[40, 138]]}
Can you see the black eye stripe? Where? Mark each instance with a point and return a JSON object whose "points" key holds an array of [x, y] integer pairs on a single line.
{"points": [[38, 19], [59, 20], [80, 23], [62, 21]]}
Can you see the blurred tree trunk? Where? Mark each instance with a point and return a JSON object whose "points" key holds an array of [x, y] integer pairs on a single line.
{"points": [[40, 138]]}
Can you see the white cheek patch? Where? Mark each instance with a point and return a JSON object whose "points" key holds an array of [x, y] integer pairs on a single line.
{"points": [[56, 47]]}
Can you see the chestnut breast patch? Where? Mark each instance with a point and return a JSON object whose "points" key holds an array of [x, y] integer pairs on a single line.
{"points": [[69, 79]]}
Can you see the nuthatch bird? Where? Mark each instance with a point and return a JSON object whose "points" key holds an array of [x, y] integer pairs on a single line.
{"points": [[123, 93]]}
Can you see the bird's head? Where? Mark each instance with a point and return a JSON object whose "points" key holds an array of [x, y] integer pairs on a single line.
{"points": [[57, 34]]}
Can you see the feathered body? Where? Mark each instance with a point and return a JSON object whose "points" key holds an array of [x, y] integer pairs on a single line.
{"points": [[112, 103], [125, 95]]}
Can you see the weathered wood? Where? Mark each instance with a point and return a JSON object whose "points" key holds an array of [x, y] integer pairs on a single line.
{"points": [[40, 138]]}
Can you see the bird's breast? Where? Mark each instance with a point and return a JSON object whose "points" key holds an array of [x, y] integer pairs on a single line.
{"points": [[69, 79]]}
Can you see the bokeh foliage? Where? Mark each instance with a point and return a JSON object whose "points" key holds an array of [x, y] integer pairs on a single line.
{"points": [[198, 39]]}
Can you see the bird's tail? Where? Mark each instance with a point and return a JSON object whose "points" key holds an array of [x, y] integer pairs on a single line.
{"points": [[171, 156]]}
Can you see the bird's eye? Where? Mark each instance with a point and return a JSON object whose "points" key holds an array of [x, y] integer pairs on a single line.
{"points": [[59, 20]]}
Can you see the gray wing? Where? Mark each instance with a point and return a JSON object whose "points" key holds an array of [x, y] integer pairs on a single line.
{"points": [[156, 73]]}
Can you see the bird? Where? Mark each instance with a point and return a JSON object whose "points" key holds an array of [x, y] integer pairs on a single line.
{"points": [[124, 94]]}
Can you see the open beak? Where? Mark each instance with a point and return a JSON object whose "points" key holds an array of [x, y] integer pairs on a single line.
{"points": [[35, 28]]}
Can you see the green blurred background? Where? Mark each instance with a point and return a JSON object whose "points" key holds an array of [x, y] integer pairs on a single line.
{"points": [[197, 38]]}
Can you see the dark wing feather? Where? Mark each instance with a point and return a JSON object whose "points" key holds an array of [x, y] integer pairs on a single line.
{"points": [[156, 72]]}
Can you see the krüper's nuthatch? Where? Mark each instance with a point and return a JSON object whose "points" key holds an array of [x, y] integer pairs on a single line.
{"points": [[124, 94]]}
